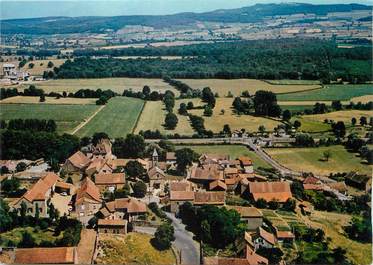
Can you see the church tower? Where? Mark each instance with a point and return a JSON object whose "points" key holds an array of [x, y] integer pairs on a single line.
{"points": [[155, 158]]}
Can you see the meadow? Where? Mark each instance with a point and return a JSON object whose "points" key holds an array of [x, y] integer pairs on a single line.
{"points": [[237, 86], [343, 115], [67, 117], [117, 118], [233, 151], [330, 92], [48, 100], [311, 160], [115, 84]]}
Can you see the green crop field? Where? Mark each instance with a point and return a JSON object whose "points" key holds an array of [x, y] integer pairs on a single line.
{"points": [[233, 151], [331, 92], [311, 160], [117, 118], [67, 117]]}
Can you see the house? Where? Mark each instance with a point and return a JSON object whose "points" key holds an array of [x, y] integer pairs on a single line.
{"points": [[202, 176], [247, 164], [110, 182], [63, 187], [362, 182], [263, 239], [98, 166], [217, 185], [339, 186], [253, 216], [54, 255], [207, 159], [117, 163], [178, 198], [171, 158], [230, 172], [209, 198], [88, 200], [102, 149], [109, 226], [38, 196], [312, 180], [125, 208], [76, 163], [181, 186], [284, 236], [231, 183], [269, 191], [156, 178], [313, 187]]}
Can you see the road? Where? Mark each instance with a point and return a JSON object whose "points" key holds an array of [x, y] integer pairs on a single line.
{"points": [[189, 249]]}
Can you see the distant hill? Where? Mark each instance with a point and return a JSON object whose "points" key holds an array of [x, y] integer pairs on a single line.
{"points": [[255, 13]]}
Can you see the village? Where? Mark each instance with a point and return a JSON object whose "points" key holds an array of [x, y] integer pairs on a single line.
{"points": [[115, 196]]}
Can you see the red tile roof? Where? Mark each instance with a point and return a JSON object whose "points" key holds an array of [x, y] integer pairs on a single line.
{"points": [[284, 235], [88, 190], [255, 259], [209, 197], [246, 211], [181, 195], [107, 179], [55, 255], [170, 156], [132, 205], [40, 188], [312, 187], [79, 160], [207, 172], [279, 190], [311, 180], [110, 222], [217, 184], [270, 238], [180, 186], [245, 161]]}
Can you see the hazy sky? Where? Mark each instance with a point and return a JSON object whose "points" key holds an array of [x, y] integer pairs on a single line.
{"points": [[43, 8]]}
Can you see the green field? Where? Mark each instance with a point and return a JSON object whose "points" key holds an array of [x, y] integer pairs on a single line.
{"points": [[331, 92], [311, 160], [39, 235], [117, 118], [233, 151], [67, 117], [293, 82]]}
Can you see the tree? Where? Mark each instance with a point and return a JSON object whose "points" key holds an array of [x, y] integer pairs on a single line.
{"points": [[27, 240], [262, 129], [261, 203], [207, 111], [205, 231], [146, 91], [227, 129], [339, 129], [50, 64], [98, 136], [21, 167], [286, 115], [37, 211], [139, 189], [290, 205], [31, 65], [171, 121], [6, 221], [363, 121], [42, 98], [353, 121], [336, 105], [208, 97], [134, 146], [169, 101], [9, 186], [164, 236], [297, 124], [183, 109], [304, 140], [185, 158], [134, 169], [327, 154], [190, 105], [265, 104]]}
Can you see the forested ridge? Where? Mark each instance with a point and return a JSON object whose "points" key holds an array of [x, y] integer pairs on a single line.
{"points": [[270, 59]]}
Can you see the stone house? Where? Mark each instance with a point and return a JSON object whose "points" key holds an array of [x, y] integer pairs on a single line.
{"points": [[109, 226], [88, 200], [110, 182]]}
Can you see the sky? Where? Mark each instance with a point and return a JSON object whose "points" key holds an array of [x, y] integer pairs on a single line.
{"points": [[43, 8]]}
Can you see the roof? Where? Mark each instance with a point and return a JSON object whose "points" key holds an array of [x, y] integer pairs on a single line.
{"points": [[97, 164], [40, 188], [270, 238], [79, 160], [311, 180], [246, 211], [207, 172], [312, 187], [278, 190], [180, 186], [132, 205], [209, 197], [170, 156], [112, 178], [339, 186], [181, 195], [114, 163], [63, 185], [359, 179], [245, 161], [217, 184], [109, 222], [230, 171], [253, 258], [53, 255], [284, 234], [155, 170], [102, 147], [88, 190], [213, 158], [225, 261], [230, 181]]}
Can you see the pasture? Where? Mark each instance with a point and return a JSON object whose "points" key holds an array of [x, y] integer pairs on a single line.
{"points": [[233, 151], [237, 86], [152, 118], [311, 160], [293, 82], [115, 84], [343, 115], [117, 118], [67, 117], [330, 92], [48, 100]]}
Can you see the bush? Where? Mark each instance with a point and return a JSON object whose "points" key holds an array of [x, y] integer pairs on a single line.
{"points": [[139, 189], [164, 236]]}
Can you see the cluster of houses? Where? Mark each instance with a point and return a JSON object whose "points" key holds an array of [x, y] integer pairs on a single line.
{"points": [[9, 73]]}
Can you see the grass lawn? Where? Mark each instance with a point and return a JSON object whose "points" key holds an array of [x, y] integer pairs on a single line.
{"points": [[330, 92], [115, 84], [217, 121], [67, 117], [233, 151], [117, 118], [310, 160], [15, 235], [332, 224], [153, 115], [237, 86], [133, 248]]}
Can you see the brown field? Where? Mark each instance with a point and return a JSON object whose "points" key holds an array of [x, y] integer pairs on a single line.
{"points": [[218, 120], [39, 66], [154, 44], [115, 84], [152, 118], [48, 100], [343, 115], [237, 86], [362, 99]]}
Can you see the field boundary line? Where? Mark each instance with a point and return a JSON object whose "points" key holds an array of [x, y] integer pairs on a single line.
{"points": [[82, 124], [299, 91], [138, 117]]}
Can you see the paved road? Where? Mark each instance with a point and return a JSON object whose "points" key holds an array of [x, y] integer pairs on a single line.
{"points": [[189, 249]]}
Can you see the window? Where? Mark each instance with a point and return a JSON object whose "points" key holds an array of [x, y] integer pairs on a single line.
{"points": [[82, 206]]}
